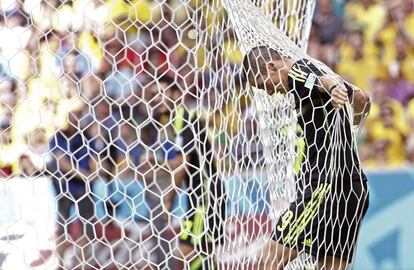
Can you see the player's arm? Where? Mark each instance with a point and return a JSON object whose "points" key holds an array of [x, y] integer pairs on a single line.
{"points": [[338, 91], [308, 75], [342, 92], [361, 102]]}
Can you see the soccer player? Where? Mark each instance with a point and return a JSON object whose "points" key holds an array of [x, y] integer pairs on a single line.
{"points": [[332, 190], [202, 226]]}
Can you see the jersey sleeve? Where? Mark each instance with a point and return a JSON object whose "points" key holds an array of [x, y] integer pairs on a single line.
{"points": [[303, 78]]}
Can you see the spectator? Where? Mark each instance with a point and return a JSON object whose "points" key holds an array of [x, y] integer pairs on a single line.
{"points": [[6, 159], [397, 23], [330, 25], [381, 98], [378, 156], [120, 83], [27, 167], [127, 145], [33, 161], [107, 117], [398, 87], [119, 163], [358, 67], [73, 171], [8, 93], [160, 163], [386, 131], [314, 45], [367, 15], [74, 64], [323, 52], [410, 139], [326, 33], [125, 191], [14, 37], [401, 65], [91, 88], [181, 159]]}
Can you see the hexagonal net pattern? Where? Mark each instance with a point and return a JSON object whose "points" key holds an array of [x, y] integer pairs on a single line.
{"points": [[173, 134], [298, 133]]}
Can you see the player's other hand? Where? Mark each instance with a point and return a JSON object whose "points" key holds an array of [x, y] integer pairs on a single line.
{"points": [[339, 96]]}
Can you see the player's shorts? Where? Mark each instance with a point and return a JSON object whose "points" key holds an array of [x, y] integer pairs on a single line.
{"points": [[325, 220]]}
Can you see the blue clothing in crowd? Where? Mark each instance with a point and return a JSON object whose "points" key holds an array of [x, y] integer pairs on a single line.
{"points": [[78, 149]]}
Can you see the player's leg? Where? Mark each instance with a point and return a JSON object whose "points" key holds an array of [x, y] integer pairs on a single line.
{"points": [[190, 257], [187, 251], [192, 240], [196, 241], [331, 263], [340, 233], [276, 256]]}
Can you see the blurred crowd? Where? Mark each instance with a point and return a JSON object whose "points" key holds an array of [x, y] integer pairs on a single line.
{"points": [[98, 61], [86, 88], [371, 44], [57, 57]]}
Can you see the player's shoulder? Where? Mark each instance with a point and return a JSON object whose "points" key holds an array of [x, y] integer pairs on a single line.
{"points": [[306, 66], [304, 74]]}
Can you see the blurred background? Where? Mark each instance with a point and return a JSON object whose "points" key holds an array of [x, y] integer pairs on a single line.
{"points": [[52, 62], [92, 64]]}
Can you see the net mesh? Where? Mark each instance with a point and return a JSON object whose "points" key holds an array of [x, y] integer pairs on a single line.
{"points": [[131, 138], [313, 187], [293, 18]]}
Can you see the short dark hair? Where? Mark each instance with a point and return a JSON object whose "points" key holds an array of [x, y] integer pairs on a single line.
{"points": [[255, 62]]}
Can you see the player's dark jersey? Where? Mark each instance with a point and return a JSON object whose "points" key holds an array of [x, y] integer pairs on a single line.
{"points": [[204, 187], [332, 191], [329, 145]]}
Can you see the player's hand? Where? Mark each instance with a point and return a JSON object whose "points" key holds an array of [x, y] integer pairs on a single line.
{"points": [[339, 96]]}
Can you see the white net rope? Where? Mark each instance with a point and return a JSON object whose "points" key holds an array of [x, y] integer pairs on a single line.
{"points": [[277, 122], [294, 18], [129, 139]]}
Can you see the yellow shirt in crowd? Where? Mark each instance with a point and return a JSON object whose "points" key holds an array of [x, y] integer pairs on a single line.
{"points": [[370, 19], [358, 72]]}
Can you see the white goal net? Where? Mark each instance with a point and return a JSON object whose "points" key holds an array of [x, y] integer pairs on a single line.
{"points": [[133, 137]]}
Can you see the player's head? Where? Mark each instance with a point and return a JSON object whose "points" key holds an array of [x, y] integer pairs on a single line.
{"points": [[260, 68]]}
